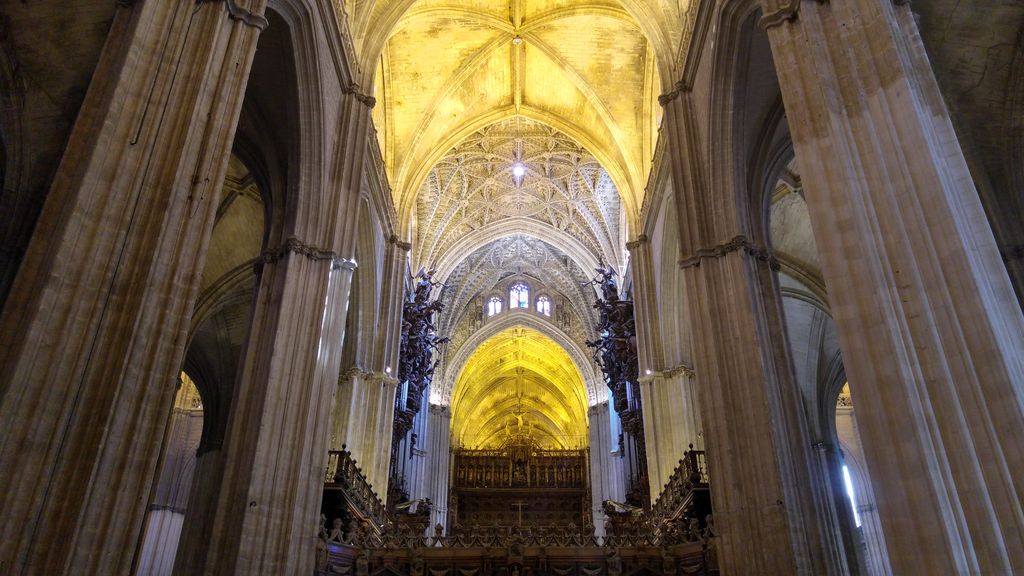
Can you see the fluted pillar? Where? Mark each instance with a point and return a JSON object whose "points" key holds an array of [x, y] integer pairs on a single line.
{"points": [[362, 420], [94, 328], [167, 510], [396, 274], [671, 423], [645, 305], [364, 405], [607, 477], [931, 332], [276, 448], [755, 433], [416, 457], [438, 472]]}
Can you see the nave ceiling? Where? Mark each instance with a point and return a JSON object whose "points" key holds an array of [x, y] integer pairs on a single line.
{"points": [[517, 137], [516, 383], [443, 69], [471, 196]]}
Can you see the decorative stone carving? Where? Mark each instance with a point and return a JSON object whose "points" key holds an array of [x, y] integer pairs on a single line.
{"points": [[737, 243], [472, 187], [490, 266]]}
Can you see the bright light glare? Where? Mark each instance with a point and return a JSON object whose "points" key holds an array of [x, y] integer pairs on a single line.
{"points": [[518, 170], [849, 492]]}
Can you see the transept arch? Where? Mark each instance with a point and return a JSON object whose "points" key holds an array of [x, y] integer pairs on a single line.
{"points": [[612, 161], [519, 226], [519, 373], [596, 391]]}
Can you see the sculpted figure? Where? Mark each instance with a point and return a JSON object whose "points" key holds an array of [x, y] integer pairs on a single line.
{"points": [[336, 536], [693, 530]]}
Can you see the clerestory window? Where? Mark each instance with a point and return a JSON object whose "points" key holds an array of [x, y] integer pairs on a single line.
{"points": [[494, 306], [519, 296]]}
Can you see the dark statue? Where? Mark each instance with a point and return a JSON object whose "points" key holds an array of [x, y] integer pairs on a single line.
{"points": [[419, 340], [416, 365], [615, 352]]}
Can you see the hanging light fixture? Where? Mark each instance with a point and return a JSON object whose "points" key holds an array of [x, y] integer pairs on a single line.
{"points": [[518, 168]]}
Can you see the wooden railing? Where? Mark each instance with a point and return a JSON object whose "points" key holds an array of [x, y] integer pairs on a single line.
{"points": [[344, 473], [522, 552], [690, 474]]}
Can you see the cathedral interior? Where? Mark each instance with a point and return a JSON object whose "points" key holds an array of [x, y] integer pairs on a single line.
{"points": [[512, 287]]}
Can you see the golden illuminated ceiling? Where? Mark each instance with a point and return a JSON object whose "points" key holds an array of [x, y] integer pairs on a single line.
{"points": [[471, 196], [451, 67], [517, 382]]}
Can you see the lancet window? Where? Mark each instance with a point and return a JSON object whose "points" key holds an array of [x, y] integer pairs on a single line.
{"points": [[544, 305], [519, 296], [494, 306]]}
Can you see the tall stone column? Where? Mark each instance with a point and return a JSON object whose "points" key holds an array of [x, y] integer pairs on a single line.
{"points": [[759, 453], [670, 422], [670, 425], [607, 477], [276, 447], [364, 406], [364, 411], [645, 306], [438, 473], [931, 332], [396, 273], [416, 458], [94, 328]]}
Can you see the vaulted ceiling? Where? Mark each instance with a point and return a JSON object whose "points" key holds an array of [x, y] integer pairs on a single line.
{"points": [[448, 68], [519, 375], [517, 137], [471, 197], [522, 257]]}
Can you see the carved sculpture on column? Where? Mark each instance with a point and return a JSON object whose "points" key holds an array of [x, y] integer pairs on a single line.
{"points": [[415, 371], [616, 353]]}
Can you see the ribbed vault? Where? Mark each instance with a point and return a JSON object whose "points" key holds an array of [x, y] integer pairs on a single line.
{"points": [[449, 68], [486, 267], [519, 382], [563, 193]]}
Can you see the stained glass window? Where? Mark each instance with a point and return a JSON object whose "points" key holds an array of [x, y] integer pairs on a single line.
{"points": [[544, 305], [519, 296], [494, 306]]}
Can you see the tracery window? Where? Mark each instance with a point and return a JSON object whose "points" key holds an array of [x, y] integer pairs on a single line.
{"points": [[519, 296], [544, 305], [494, 306]]}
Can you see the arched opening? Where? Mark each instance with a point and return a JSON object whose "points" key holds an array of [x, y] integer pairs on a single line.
{"points": [[520, 435], [167, 509], [251, 217], [519, 295], [856, 483], [544, 305], [493, 305], [219, 327]]}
